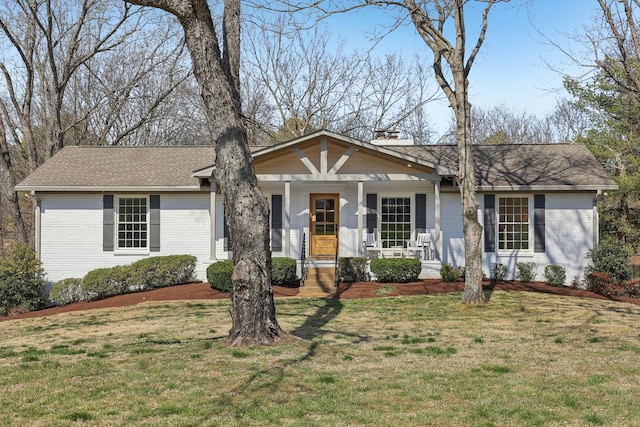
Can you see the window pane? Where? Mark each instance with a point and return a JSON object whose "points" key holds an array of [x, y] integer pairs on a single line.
{"points": [[132, 222], [395, 221], [513, 223]]}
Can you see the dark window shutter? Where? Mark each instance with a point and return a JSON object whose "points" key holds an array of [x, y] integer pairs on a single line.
{"points": [[421, 213], [489, 223], [538, 223], [154, 223], [372, 212], [227, 235], [276, 222], [107, 222]]}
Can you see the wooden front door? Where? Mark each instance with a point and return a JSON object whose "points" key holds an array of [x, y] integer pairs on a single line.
{"points": [[324, 223]]}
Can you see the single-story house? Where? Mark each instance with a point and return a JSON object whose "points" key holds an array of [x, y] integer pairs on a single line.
{"points": [[329, 194]]}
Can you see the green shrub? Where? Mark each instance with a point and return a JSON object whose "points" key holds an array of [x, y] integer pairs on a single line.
{"points": [[498, 272], [161, 271], [105, 282], [526, 271], [555, 275], [283, 271], [354, 269], [147, 273], [396, 270], [449, 273], [219, 275], [610, 257], [66, 291], [22, 284]]}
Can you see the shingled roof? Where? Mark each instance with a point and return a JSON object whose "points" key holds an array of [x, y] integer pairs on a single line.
{"points": [[524, 166], [121, 168], [498, 167]]}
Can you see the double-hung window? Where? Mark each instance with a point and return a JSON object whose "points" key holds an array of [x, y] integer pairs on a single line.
{"points": [[395, 224], [513, 223], [132, 223]]}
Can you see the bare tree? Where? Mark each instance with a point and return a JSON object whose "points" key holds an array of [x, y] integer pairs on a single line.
{"points": [[302, 80], [503, 125], [72, 73], [442, 26], [216, 66]]}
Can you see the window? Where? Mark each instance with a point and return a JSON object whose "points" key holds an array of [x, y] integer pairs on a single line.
{"points": [[395, 223], [132, 223], [513, 223]]}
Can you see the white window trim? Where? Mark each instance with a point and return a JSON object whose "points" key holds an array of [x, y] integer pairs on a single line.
{"points": [[510, 252], [116, 246], [412, 205]]}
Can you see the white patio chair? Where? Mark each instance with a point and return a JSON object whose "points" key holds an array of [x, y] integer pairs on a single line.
{"points": [[424, 241], [372, 246]]}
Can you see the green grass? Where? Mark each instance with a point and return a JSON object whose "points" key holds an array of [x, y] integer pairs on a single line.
{"points": [[524, 359]]}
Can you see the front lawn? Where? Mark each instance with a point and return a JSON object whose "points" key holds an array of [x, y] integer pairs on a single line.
{"points": [[524, 359]]}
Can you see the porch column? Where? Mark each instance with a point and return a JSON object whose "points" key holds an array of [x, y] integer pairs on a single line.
{"points": [[287, 219], [212, 214], [360, 217], [438, 236]]}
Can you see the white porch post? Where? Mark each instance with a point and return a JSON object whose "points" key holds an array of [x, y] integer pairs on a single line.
{"points": [[212, 214], [360, 217], [287, 219], [438, 236]]}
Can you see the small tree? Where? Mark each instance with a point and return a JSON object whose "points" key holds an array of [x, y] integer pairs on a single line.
{"points": [[22, 284], [610, 257]]}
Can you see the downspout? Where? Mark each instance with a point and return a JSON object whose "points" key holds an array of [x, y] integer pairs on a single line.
{"points": [[596, 219], [37, 219]]}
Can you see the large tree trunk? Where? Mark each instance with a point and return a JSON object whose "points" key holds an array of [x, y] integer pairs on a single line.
{"points": [[472, 230], [253, 311]]}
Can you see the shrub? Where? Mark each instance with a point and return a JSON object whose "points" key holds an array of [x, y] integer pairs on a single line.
{"points": [[105, 282], [67, 291], [396, 270], [449, 273], [555, 275], [219, 275], [147, 273], [526, 271], [161, 271], [22, 284], [610, 257], [283, 271], [498, 272], [633, 288], [352, 268], [602, 284]]}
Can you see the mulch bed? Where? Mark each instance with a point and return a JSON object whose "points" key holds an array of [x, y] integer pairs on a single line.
{"points": [[203, 291]]}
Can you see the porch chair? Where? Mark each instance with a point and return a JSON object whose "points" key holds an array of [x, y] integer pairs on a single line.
{"points": [[424, 241], [371, 245]]}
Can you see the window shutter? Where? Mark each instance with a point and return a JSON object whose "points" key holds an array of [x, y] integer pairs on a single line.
{"points": [[421, 213], [372, 212], [227, 235], [107, 222], [154, 223], [276, 222], [489, 223], [538, 223]]}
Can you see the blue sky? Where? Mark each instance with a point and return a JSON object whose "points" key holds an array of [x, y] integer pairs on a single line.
{"points": [[511, 68]]}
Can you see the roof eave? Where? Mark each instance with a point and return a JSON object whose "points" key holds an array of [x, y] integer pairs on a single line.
{"points": [[103, 189], [557, 187]]}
